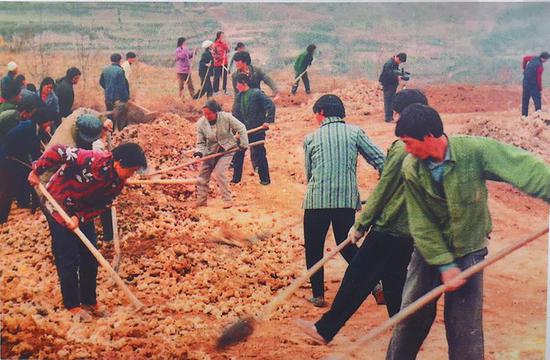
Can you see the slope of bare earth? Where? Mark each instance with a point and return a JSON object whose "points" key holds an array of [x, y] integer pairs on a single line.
{"points": [[193, 284]]}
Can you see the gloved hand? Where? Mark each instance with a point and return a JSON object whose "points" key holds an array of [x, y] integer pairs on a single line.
{"points": [[355, 235], [197, 154]]}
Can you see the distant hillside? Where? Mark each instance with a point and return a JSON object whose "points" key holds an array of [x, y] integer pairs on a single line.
{"points": [[460, 42]]}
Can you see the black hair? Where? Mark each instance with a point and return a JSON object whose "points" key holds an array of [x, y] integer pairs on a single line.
{"points": [[242, 56], [29, 103], [418, 121], [240, 45], [131, 55], [46, 81], [545, 55], [31, 87], [212, 105], [72, 72], [407, 97], [242, 78], [402, 57], [130, 155], [331, 105], [44, 114], [311, 48], [218, 34], [115, 58], [181, 40], [12, 89], [20, 79]]}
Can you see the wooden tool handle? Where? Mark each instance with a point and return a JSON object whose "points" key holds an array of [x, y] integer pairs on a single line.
{"points": [[90, 247], [116, 239], [163, 182], [434, 294]]}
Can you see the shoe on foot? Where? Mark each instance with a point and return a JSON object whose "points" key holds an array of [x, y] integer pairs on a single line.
{"points": [[233, 181], [80, 315], [96, 310], [265, 182], [309, 329], [318, 301]]}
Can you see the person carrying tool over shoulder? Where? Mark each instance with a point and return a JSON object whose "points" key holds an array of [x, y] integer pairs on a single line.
{"points": [[446, 195], [385, 252], [303, 61], [532, 81], [253, 108], [332, 196], [85, 185], [215, 134], [389, 79]]}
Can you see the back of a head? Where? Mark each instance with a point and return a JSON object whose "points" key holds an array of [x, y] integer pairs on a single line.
{"points": [[181, 40], [240, 45], [12, 89], [131, 55], [31, 87], [407, 97], [72, 72], [20, 79], [44, 114], [219, 34], [242, 79], [115, 58], [311, 48], [545, 55], [402, 57], [30, 102], [130, 155], [242, 56], [331, 105], [418, 121]]}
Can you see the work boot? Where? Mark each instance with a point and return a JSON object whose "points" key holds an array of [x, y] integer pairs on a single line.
{"points": [[318, 301], [80, 315], [309, 329], [96, 310]]}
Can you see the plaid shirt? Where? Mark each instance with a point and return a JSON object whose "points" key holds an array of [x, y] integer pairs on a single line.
{"points": [[331, 164], [85, 184]]}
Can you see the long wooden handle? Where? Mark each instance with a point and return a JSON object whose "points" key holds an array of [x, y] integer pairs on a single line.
{"points": [[300, 76], [285, 294], [162, 182], [205, 76], [116, 240], [209, 157], [92, 249], [434, 294]]}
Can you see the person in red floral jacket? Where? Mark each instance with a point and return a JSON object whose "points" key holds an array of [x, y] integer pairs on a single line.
{"points": [[221, 50], [85, 185]]}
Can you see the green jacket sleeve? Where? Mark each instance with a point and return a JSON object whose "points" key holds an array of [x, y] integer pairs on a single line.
{"points": [[269, 107], [268, 81], [503, 162], [428, 238], [384, 190]]}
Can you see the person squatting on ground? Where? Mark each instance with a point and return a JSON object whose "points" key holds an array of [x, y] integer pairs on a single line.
{"points": [[221, 49], [184, 57], [255, 74], [253, 108], [114, 83], [85, 185], [389, 79], [446, 196], [206, 67], [215, 133], [303, 61], [332, 196], [532, 81], [385, 252]]}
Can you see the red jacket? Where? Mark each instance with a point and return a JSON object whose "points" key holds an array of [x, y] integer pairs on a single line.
{"points": [[86, 183], [540, 69], [221, 50]]}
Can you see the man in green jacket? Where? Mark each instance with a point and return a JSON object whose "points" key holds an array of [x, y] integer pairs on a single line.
{"points": [[255, 74], [385, 252], [446, 195], [303, 61]]}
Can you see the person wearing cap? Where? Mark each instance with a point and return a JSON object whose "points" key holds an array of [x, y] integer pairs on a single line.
{"points": [[206, 68], [215, 134], [65, 91], [114, 83], [239, 48], [389, 79], [131, 60], [255, 74], [183, 66], [85, 185], [220, 51], [254, 109], [13, 70]]}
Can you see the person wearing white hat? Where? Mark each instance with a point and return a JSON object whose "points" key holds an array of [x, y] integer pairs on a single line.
{"points": [[13, 69], [205, 70]]}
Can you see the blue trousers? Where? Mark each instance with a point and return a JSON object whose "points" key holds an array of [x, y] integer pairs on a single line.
{"points": [[528, 93]]}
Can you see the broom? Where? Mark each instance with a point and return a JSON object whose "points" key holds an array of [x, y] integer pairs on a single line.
{"points": [[244, 327], [434, 294]]}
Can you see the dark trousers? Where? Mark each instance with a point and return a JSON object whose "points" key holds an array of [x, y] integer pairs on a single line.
{"points": [[258, 156], [389, 93], [463, 312], [107, 225], [8, 188], [206, 87], [381, 257], [182, 78], [297, 83], [23, 188], [76, 266], [316, 224], [109, 105], [220, 72], [528, 93]]}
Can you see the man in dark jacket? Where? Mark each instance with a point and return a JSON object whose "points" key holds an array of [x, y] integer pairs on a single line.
{"points": [[253, 108], [532, 81], [301, 64], [255, 74], [206, 68], [65, 91], [13, 69], [114, 82], [389, 79]]}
